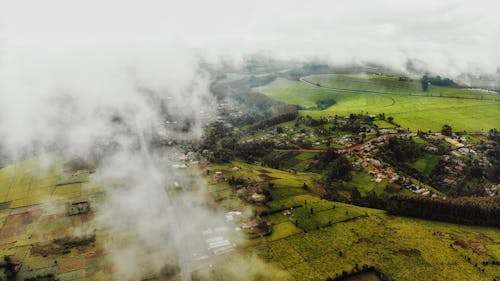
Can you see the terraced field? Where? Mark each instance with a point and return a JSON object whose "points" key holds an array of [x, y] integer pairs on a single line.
{"points": [[318, 238], [410, 107], [402, 248]]}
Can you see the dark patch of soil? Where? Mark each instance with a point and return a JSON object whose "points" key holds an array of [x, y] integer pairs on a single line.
{"points": [[478, 245], [410, 252], [461, 243], [263, 171], [484, 238], [62, 246], [363, 240], [266, 177], [370, 276]]}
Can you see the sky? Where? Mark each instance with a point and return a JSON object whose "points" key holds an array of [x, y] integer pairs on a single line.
{"points": [[450, 36]]}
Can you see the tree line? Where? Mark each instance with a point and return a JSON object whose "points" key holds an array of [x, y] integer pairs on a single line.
{"points": [[463, 210]]}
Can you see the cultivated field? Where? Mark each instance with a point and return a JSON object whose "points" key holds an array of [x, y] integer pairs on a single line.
{"points": [[320, 238], [33, 214], [463, 109]]}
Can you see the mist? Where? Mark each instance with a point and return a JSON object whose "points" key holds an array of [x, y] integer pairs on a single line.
{"points": [[91, 77]]}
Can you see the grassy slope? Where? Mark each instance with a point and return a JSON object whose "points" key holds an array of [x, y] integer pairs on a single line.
{"points": [[403, 248], [306, 245], [414, 112]]}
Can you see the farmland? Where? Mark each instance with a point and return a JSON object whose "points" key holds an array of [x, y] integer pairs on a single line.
{"points": [[33, 216], [410, 107], [292, 195], [320, 238]]}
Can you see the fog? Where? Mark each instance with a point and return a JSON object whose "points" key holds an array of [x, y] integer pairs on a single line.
{"points": [[68, 68]]}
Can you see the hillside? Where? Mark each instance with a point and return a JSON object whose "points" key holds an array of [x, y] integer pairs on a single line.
{"points": [[403, 100], [313, 239]]}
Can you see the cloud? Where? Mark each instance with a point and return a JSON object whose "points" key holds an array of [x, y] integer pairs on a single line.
{"points": [[69, 68]]}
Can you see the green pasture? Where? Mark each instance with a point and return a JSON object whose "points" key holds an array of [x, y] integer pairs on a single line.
{"points": [[426, 163], [300, 161], [402, 248], [392, 85], [416, 111], [365, 184]]}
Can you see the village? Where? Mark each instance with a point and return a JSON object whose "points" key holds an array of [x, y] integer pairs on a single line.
{"points": [[361, 137]]}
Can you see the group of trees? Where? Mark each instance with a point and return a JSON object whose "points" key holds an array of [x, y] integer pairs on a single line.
{"points": [[324, 104], [446, 130], [309, 121], [276, 160], [336, 165], [466, 210], [357, 270], [437, 80], [494, 157], [401, 150], [285, 117]]}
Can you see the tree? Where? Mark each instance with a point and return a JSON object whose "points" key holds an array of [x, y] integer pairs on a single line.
{"points": [[390, 119], [425, 83], [446, 130], [340, 169]]}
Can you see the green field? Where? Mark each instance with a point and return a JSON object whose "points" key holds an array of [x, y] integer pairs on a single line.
{"points": [[365, 184], [320, 238], [402, 248], [416, 111], [426, 163], [34, 195]]}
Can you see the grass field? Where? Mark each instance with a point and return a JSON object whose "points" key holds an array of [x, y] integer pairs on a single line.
{"points": [[402, 248], [426, 163], [365, 184], [392, 85], [321, 238], [416, 111], [300, 162]]}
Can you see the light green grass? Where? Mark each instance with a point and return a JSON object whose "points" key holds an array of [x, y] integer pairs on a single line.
{"points": [[414, 112], [300, 161], [365, 184], [391, 85], [382, 124], [426, 163], [283, 230], [402, 248]]}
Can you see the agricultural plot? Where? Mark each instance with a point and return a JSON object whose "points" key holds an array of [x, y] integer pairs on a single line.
{"points": [[36, 230], [313, 238], [402, 248], [300, 162], [392, 85], [415, 111], [256, 173]]}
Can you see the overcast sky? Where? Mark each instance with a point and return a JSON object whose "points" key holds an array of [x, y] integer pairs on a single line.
{"points": [[451, 36], [62, 61]]}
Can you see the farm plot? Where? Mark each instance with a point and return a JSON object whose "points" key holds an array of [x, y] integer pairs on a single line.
{"points": [[415, 111], [401, 248]]}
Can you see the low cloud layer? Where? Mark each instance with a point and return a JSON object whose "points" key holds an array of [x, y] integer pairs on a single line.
{"points": [[76, 75]]}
